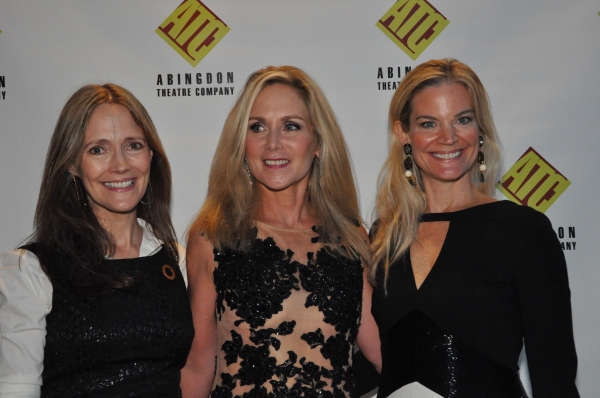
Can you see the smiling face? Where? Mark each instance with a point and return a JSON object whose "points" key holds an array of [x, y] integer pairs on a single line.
{"points": [[280, 142], [115, 162], [443, 133]]}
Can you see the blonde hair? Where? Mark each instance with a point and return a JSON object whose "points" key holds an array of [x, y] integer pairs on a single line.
{"points": [[400, 205], [228, 214]]}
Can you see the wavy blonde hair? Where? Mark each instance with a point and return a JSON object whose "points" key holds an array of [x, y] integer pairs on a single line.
{"points": [[228, 214], [400, 205]]}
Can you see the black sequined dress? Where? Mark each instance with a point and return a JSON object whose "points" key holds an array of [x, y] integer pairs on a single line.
{"points": [[288, 314], [500, 280], [125, 343]]}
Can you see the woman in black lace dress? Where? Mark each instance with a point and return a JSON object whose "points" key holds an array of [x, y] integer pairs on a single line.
{"points": [[277, 285], [96, 305], [462, 279]]}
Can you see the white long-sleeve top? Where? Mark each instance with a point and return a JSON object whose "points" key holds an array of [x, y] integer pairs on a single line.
{"points": [[25, 300]]}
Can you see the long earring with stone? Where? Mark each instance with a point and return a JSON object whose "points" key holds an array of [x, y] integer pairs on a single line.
{"points": [[248, 172], [408, 164], [480, 160]]}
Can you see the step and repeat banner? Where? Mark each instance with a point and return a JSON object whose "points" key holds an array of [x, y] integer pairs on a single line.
{"points": [[187, 61]]}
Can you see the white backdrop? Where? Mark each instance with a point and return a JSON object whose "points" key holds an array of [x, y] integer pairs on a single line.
{"points": [[539, 61]]}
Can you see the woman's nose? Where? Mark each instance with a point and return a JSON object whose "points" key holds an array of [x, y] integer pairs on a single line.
{"points": [[274, 140], [448, 135], [119, 162]]}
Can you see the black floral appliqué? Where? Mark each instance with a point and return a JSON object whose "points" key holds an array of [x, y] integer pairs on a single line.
{"points": [[257, 365], [253, 285], [232, 347], [265, 336], [335, 284]]}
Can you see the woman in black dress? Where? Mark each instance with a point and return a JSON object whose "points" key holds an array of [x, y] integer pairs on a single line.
{"points": [[277, 286], [462, 280], [96, 304]]}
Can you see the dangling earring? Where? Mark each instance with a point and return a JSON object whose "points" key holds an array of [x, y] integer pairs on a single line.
{"points": [[317, 164], [480, 160], [320, 178], [77, 190], [248, 172], [148, 193], [408, 164]]}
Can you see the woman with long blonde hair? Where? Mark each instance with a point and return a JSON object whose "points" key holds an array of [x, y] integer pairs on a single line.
{"points": [[461, 279], [276, 254]]}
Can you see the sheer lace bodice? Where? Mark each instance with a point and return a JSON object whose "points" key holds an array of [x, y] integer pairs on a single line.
{"points": [[288, 314]]}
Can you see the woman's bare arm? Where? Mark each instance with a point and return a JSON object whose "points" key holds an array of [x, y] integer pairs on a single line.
{"points": [[198, 374]]}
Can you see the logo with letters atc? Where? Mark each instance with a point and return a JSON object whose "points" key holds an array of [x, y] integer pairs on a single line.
{"points": [[192, 30], [533, 182], [412, 25]]}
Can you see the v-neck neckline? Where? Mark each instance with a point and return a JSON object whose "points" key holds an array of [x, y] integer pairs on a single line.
{"points": [[451, 217], [436, 263]]}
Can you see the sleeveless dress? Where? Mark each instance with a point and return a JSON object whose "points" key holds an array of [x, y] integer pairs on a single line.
{"points": [[500, 280], [124, 343], [287, 317]]}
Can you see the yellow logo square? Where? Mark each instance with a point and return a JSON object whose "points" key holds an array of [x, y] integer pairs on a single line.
{"points": [[192, 30], [533, 182], [412, 25]]}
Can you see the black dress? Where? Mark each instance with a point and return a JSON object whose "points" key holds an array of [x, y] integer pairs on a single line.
{"points": [[500, 279], [125, 343], [287, 318]]}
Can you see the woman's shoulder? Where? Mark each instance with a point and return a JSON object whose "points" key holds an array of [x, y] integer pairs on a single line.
{"points": [[518, 215], [516, 225], [199, 247], [200, 257], [198, 239], [21, 272], [22, 259]]}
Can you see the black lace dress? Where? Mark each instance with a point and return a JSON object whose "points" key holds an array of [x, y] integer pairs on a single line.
{"points": [[288, 315]]}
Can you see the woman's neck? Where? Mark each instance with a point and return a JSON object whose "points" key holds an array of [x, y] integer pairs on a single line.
{"points": [[286, 209], [125, 232], [452, 196]]}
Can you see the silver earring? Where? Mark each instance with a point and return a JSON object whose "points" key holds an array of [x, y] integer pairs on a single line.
{"points": [[320, 174], [480, 160], [248, 172], [148, 193], [317, 165]]}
